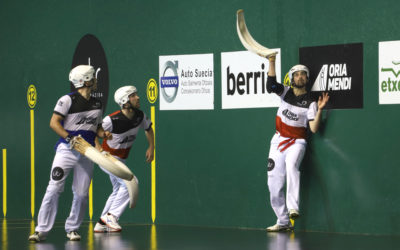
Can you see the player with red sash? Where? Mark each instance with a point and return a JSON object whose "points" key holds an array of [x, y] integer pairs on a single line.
{"points": [[296, 113]]}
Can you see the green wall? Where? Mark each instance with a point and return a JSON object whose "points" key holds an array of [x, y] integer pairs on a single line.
{"points": [[211, 165]]}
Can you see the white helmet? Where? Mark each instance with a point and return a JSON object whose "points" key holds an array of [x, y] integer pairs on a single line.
{"points": [[122, 94], [296, 68], [80, 74]]}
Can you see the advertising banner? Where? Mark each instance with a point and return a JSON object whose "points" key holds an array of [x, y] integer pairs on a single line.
{"points": [[389, 72], [186, 82], [337, 69], [244, 79]]}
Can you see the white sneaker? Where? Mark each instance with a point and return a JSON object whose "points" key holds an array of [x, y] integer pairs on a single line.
{"points": [[100, 228], [280, 228], [293, 214], [37, 237], [73, 235], [111, 222]]}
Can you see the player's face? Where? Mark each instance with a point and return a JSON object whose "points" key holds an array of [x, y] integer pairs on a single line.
{"points": [[92, 84], [300, 78], [134, 99]]}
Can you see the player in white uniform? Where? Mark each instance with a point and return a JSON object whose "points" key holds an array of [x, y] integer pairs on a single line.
{"points": [[75, 114], [124, 125], [296, 112]]}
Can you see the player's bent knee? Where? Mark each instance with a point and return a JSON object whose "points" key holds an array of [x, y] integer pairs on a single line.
{"points": [[83, 198], [81, 194], [55, 187]]}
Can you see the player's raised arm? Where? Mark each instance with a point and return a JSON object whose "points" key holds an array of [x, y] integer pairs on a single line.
{"points": [[271, 70], [322, 101], [272, 85]]}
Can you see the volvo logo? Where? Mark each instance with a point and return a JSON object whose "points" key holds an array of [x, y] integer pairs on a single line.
{"points": [[170, 81]]}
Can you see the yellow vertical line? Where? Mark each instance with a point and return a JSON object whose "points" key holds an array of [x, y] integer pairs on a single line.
{"points": [[153, 169], [32, 163], [32, 227], [153, 238], [90, 237], [91, 200], [32, 230], [5, 182], [4, 232]]}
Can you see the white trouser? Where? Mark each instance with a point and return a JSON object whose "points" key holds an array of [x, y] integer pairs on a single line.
{"points": [[64, 161], [283, 167], [119, 198]]}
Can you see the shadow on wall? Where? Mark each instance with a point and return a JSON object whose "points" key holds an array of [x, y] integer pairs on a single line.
{"points": [[315, 205]]}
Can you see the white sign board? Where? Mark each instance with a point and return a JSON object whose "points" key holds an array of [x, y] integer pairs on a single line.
{"points": [[244, 80], [186, 82], [389, 72]]}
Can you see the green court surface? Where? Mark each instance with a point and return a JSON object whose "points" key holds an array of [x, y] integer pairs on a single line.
{"points": [[14, 235]]}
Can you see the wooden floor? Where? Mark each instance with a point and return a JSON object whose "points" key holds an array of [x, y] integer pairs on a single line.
{"points": [[14, 235]]}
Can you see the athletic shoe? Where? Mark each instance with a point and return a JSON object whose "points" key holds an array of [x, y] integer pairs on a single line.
{"points": [[73, 235], [280, 228], [37, 237], [111, 222], [293, 214], [100, 228]]}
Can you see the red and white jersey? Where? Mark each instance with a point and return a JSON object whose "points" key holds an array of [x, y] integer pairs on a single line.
{"points": [[123, 131], [294, 113]]}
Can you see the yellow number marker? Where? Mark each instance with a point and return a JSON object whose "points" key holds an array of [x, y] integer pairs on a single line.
{"points": [[32, 98], [152, 94]]}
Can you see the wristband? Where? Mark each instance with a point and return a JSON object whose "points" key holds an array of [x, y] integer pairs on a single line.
{"points": [[68, 138]]}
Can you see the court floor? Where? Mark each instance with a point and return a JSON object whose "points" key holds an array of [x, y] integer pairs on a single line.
{"points": [[14, 235]]}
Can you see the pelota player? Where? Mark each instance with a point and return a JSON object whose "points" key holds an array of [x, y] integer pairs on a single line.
{"points": [[297, 111], [75, 114], [124, 125]]}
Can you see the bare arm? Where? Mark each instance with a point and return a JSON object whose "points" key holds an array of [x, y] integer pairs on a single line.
{"points": [[314, 124], [150, 151], [271, 70], [322, 101], [101, 133], [55, 124], [97, 144]]}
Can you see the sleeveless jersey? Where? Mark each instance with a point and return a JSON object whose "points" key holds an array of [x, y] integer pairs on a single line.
{"points": [[81, 116], [123, 131]]}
